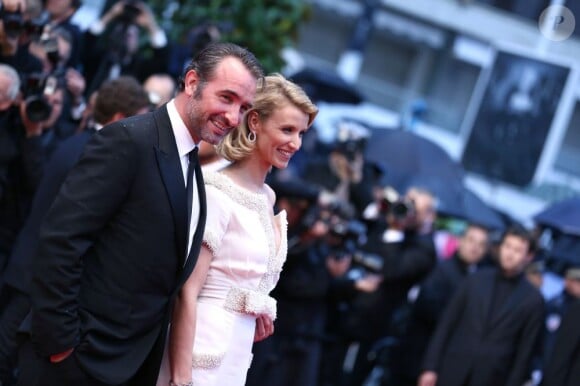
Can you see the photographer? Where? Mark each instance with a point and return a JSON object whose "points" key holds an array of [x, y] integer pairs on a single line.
{"points": [[61, 13], [404, 241], [320, 247], [344, 172], [27, 139], [18, 21], [54, 49], [119, 53]]}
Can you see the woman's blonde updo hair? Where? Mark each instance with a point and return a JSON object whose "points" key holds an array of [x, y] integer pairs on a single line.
{"points": [[273, 92]]}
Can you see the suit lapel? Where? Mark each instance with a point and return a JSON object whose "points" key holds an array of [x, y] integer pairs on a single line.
{"points": [[512, 302], [170, 168]]}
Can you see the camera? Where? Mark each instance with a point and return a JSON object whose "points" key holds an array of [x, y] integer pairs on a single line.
{"points": [[391, 203], [364, 263], [36, 88], [351, 139], [15, 24], [130, 12], [345, 236]]}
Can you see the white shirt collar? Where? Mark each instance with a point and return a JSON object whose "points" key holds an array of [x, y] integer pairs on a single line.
{"points": [[183, 138]]}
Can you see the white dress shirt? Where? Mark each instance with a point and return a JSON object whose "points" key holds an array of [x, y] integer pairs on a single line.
{"points": [[185, 144]]}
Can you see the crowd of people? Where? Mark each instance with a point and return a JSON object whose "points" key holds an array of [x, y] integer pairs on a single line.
{"points": [[284, 261]]}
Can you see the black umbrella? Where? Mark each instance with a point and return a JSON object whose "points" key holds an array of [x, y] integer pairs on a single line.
{"points": [[563, 216], [406, 156], [327, 86], [566, 248], [475, 210]]}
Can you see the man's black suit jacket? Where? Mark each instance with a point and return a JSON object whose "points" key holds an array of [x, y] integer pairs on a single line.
{"points": [[563, 365], [112, 251], [467, 344]]}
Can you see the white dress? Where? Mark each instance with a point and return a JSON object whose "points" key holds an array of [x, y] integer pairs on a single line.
{"points": [[245, 267]]}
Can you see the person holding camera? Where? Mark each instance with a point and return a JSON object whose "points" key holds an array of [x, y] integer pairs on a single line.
{"points": [[112, 45], [54, 49], [15, 20], [26, 141], [320, 252], [9, 91], [404, 242], [61, 13]]}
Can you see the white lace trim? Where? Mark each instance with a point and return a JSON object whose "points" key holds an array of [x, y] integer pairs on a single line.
{"points": [[207, 361], [250, 302]]}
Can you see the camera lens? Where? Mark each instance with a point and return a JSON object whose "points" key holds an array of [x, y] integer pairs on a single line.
{"points": [[400, 209], [37, 108]]}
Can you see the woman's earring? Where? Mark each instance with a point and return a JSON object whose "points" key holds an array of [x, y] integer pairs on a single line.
{"points": [[251, 136]]}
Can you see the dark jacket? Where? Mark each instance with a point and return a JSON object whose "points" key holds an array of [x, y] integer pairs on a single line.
{"points": [[470, 347], [112, 250], [563, 365]]}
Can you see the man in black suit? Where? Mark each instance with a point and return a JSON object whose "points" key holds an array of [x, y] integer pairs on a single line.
{"points": [[435, 292], [488, 331], [117, 99], [118, 242], [563, 365]]}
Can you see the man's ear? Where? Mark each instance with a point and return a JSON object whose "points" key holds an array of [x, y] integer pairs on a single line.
{"points": [[191, 82]]}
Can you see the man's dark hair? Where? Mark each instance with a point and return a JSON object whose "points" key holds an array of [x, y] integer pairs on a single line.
{"points": [[122, 95], [206, 61], [518, 230]]}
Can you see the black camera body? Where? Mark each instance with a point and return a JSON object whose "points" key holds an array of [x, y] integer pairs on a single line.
{"points": [[393, 204], [15, 24], [36, 88], [367, 263], [130, 12]]}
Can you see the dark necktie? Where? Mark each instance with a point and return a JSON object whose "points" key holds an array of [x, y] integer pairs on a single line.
{"points": [[194, 165], [193, 162]]}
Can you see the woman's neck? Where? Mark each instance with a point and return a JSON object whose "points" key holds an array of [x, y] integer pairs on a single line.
{"points": [[248, 174]]}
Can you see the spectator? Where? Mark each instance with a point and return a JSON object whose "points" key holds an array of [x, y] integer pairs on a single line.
{"points": [[434, 294], [557, 307], [563, 365], [488, 332]]}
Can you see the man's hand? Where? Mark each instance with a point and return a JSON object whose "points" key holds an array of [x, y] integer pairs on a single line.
{"points": [[264, 328], [75, 83], [369, 283], [14, 5], [427, 378]]}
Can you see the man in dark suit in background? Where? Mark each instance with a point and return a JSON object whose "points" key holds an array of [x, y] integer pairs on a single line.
{"points": [[435, 292], [563, 365], [117, 99], [488, 332], [118, 242]]}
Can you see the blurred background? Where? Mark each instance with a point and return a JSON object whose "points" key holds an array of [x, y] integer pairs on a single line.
{"points": [[445, 69]]}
